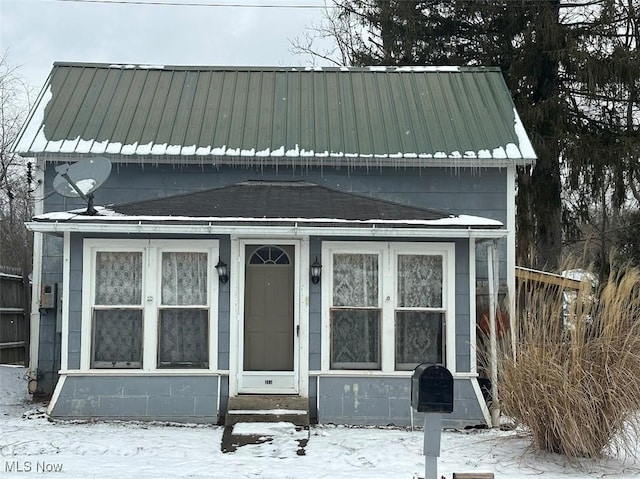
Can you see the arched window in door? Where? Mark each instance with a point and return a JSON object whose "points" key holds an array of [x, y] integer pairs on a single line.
{"points": [[269, 255]]}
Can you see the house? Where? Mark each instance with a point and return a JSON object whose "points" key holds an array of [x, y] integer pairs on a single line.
{"points": [[305, 232]]}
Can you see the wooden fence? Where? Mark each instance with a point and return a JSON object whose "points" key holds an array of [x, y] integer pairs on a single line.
{"points": [[15, 297]]}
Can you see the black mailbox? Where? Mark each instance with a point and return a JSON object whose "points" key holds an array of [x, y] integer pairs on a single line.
{"points": [[432, 388]]}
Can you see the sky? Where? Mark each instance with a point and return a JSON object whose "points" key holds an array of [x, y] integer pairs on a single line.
{"points": [[36, 33]]}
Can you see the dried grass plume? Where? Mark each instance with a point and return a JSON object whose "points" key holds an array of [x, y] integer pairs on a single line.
{"points": [[576, 381]]}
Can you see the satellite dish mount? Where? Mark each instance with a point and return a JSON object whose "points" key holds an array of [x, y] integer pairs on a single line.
{"points": [[81, 179]]}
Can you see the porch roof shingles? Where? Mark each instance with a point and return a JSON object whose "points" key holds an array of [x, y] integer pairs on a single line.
{"points": [[267, 199], [383, 115], [273, 203]]}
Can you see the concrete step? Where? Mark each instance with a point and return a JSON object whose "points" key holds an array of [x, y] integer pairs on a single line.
{"points": [[258, 408], [271, 401]]}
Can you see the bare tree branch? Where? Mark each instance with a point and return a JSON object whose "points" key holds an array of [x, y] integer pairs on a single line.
{"points": [[15, 172]]}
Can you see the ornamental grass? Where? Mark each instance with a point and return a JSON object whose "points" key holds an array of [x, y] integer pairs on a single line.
{"points": [[575, 384]]}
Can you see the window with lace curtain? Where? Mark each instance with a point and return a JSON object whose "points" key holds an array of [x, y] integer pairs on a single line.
{"points": [[183, 314], [419, 314], [117, 311], [387, 304], [355, 315], [150, 303]]}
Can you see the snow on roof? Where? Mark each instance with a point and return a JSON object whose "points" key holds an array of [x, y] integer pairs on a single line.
{"points": [[524, 144], [108, 215], [91, 146]]}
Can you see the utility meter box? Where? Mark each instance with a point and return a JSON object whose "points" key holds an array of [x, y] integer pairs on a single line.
{"points": [[432, 389], [48, 296]]}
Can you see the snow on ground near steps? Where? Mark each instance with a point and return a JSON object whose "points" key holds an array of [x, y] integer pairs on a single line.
{"points": [[32, 446], [265, 429]]}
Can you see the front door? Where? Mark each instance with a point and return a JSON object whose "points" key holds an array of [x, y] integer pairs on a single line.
{"points": [[269, 331]]}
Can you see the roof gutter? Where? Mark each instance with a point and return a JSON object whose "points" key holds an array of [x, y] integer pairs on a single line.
{"points": [[57, 227], [325, 161]]}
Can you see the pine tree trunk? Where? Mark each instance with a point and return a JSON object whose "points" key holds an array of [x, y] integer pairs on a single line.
{"points": [[524, 220]]}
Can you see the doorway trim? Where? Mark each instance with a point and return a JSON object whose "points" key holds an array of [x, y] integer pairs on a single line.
{"points": [[301, 313]]}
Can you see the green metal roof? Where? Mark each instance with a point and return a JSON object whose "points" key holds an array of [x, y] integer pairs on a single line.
{"points": [[377, 115]]}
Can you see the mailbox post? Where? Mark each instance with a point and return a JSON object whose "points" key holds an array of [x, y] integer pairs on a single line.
{"points": [[432, 394]]}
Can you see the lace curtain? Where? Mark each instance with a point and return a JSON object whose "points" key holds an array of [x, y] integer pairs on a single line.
{"points": [[419, 281], [356, 313], [117, 335], [419, 334], [184, 278], [184, 337], [355, 338], [184, 332], [355, 331], [118, 278], [355, 280], [117, 338], [418, 337]]}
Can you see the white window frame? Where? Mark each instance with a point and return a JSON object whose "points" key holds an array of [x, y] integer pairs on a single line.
{"points": [[151, 296], [395, 254], [138, 307], [388, 253], [378, 307], [211, 261]]}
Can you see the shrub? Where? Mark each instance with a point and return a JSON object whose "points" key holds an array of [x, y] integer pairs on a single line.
{"points": [[576, 381]]}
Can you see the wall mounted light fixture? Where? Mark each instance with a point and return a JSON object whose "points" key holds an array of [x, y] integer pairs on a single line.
{"points": [[316, 270], [223, 271]]}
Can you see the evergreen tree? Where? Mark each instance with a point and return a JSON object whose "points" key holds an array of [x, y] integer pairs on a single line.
{"points": [[573, 70]]}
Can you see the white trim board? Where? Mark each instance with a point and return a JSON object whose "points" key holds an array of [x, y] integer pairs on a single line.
{"points": [[265, 231], [66, 279], [511, 251], [36, 280]]}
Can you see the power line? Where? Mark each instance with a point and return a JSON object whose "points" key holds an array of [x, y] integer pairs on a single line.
{"points": [[515, 4], [208, 4]]}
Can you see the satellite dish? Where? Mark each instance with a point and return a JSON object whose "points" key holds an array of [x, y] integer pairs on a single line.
{"points": [[81, 179]]}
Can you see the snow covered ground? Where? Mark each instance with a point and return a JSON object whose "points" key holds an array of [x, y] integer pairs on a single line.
{"points": [[33, 446]]}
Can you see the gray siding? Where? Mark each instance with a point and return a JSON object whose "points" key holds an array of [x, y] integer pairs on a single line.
{"points": [[463, 345], [479, 192], [387, 401], [224, 309], [164, 398], [315, 310], [50, 339], [75, 302]]}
